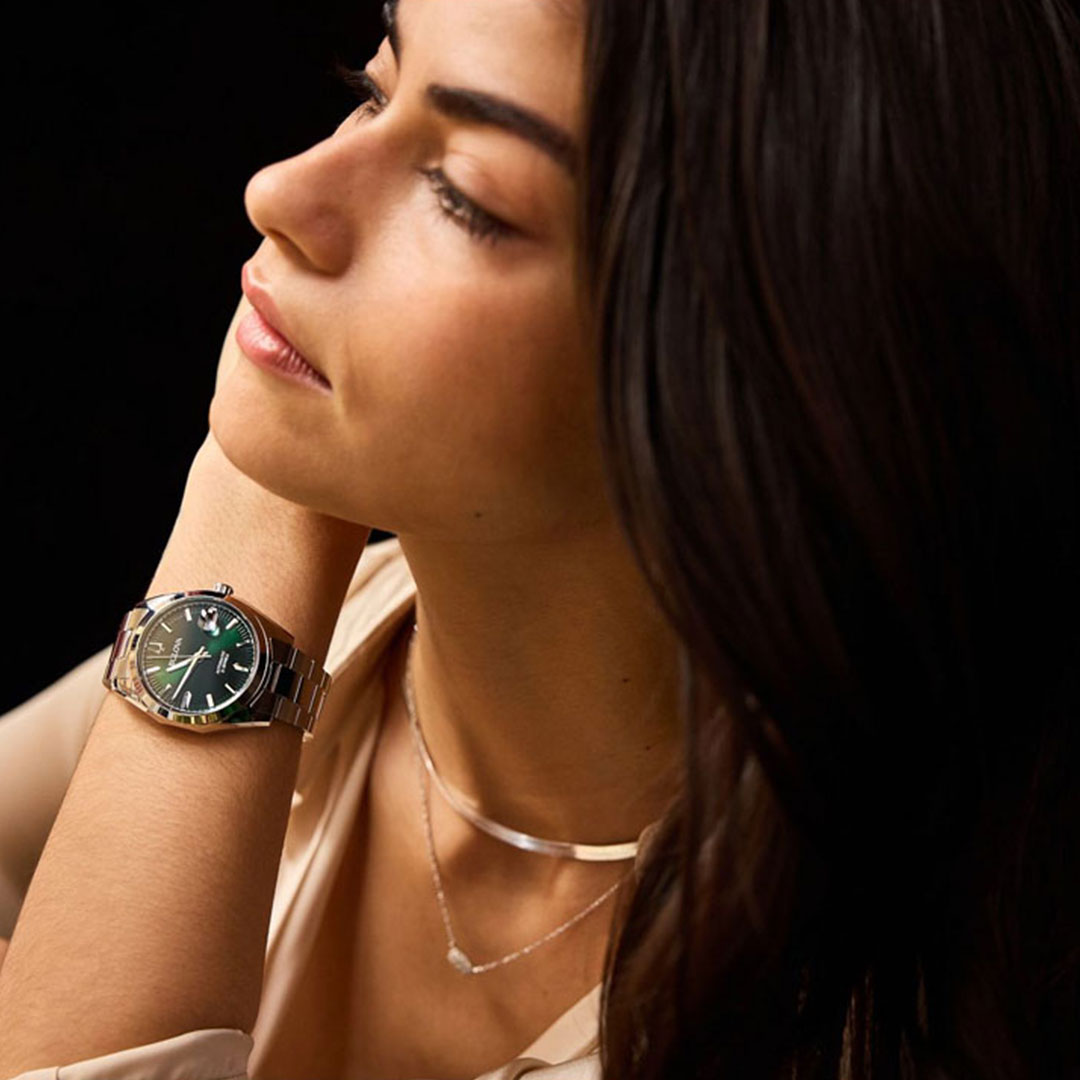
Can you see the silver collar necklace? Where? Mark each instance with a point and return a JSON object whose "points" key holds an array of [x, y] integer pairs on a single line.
{"points": [[565, 849]]}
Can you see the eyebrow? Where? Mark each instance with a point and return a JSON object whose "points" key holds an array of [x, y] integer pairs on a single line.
{"points": [[460, 103]]}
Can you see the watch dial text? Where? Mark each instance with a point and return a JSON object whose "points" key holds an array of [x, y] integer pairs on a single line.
{"points": [[197, 656]]}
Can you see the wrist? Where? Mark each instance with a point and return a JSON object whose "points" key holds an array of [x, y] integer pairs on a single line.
{"points": [[292, 563]]}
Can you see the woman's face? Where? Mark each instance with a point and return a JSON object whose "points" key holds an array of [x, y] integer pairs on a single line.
{"points": [[462, 394]]}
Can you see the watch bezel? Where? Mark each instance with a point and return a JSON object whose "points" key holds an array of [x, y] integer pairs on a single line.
{"points": [[238, 712]]}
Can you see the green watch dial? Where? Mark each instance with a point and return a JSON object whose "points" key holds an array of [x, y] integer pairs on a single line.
{"points": [[198, 655]]}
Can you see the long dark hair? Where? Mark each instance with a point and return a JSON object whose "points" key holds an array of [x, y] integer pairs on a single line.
{"points": [[832, 250]]}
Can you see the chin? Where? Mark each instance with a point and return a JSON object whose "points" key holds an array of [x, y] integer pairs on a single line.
{"points": [[283, 449], [259, 437]]}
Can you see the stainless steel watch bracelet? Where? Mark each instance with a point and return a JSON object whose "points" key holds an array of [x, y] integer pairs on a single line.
{"points": [[296, 689]]}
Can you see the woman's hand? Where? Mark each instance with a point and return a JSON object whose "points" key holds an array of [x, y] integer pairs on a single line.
{"points": [[290, 561]]}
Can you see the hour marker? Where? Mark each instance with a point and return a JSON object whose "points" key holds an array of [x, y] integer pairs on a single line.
{"points": [[187, 614], [187, 699], [151, 670], [167, 627], [229, 688], [240, 667], [210, 700], [231, 623]]}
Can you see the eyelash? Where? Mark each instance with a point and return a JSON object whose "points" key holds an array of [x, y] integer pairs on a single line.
{"points": [[479, 224]]}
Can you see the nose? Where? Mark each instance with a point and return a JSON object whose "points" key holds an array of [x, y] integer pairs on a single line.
{"points": [[302, 203]]}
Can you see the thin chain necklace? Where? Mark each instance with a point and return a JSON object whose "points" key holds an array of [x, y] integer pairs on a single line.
{"points": [[455, 955]]}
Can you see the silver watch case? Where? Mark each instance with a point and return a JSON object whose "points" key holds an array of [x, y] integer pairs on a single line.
{"points": [[273, 694]]}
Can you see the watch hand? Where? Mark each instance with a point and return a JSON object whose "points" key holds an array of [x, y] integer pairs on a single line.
{"points": [[191, 667], [176, 667]]}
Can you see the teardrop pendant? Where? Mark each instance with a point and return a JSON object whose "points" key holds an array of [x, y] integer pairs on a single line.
{"points": [[459, 960]]}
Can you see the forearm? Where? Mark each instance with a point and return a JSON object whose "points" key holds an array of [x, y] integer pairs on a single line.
{"points": [[148, 912]]}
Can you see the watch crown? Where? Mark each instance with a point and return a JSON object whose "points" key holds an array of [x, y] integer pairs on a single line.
{"points": [[221, 587]]}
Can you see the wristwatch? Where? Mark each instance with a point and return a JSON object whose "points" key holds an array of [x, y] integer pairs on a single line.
{"points": [[204, 660]]}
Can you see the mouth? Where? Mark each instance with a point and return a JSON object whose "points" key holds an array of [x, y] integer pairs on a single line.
{"points": [[267, 349], [262, 336]]}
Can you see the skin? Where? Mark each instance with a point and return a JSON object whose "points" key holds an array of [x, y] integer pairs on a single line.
{"points": [[462, 418]]}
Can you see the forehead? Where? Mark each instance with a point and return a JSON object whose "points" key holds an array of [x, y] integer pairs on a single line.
{"points": [[569, 12], [528, 50]]}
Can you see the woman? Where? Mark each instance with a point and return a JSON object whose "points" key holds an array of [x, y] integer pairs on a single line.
{"points": [[447, 395], [830, 256]]}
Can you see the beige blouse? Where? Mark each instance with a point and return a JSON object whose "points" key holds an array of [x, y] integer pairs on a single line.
{"points": [[40, 744]]}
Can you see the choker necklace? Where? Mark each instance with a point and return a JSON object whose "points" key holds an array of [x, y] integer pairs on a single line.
{"points": [[590, 852]]}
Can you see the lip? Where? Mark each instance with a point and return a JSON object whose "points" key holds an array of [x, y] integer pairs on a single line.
{"points": [[263, 303]]}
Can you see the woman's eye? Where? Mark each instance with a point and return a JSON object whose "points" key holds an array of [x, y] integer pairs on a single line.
{"points": [[452, 204], [463, 211], [372, 99]]}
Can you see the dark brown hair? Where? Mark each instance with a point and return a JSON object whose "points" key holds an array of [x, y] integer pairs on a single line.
{"points": [[832, 249]]}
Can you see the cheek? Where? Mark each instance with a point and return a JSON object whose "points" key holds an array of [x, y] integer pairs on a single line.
{"points": [[477, 387]]}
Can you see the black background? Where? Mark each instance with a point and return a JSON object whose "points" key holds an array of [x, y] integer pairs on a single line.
{"points": [[130, 135]]}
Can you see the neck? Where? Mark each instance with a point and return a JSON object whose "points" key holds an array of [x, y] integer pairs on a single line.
{"points": [[544, 679]]}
